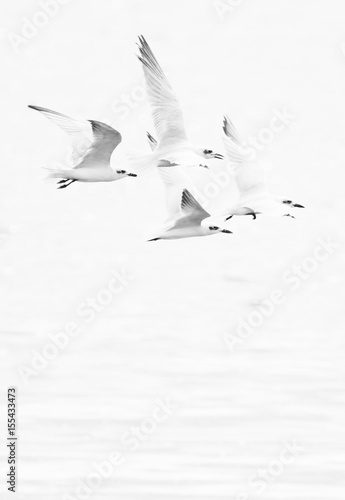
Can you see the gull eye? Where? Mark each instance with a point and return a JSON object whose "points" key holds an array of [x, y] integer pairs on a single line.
{"points": [[207, 151], [287, 201]]}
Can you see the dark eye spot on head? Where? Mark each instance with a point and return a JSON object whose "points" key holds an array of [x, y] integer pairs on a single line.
{"points": [[207, 151], [287, 201]]}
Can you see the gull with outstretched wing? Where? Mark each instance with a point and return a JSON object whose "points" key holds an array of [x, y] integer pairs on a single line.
{"points": [[93, 143], [250, 180], [173, 147], [192, 221]]}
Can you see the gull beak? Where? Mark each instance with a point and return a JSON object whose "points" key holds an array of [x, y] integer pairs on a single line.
{"points": [[297, 205], [226, 231], [218, 156]]}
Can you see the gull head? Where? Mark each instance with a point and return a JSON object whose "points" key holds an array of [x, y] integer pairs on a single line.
{"points": [[286, 204], [208, 153], [217, 229], [290, 203], [209, 228]]}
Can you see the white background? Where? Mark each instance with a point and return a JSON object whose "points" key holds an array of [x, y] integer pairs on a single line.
{"points": [[163, 335]]}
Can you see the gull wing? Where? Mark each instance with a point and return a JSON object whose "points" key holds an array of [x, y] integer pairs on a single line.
{"points": [[192, 212], [250, 178], [92, 141], [152, 141], [191, 207], [166, 110], [175, 181], [105, 140]]}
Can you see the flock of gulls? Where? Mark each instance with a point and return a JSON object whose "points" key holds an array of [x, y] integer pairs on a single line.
{"points": [[94, 142]]}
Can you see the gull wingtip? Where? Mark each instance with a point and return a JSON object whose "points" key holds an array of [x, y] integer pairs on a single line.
{"points": [[225, 123], [142, 40]]}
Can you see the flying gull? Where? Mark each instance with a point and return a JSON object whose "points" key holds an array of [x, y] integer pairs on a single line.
{"points": [[173, 147], [250, 181], [93, 143]]}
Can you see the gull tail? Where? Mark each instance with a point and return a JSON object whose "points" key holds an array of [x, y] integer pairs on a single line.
{"points": [[241, 211], [142, 163], [59, 173]]}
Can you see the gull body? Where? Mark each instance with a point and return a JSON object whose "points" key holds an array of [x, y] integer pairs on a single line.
{"points": [[250, 180], [192, 221], [93, 143], [173, 147]]}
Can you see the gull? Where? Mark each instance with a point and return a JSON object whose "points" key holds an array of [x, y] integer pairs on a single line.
{"points": [[173, 147], [250, 181], [93, 143], [193, 220]]}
